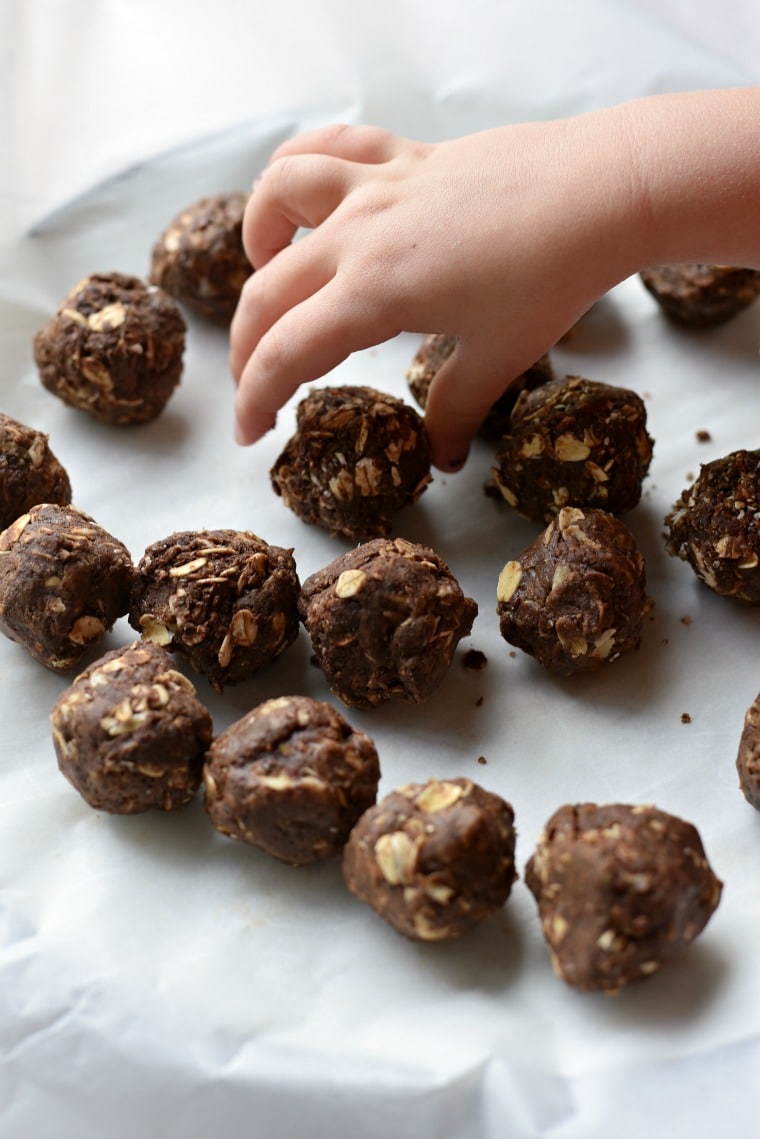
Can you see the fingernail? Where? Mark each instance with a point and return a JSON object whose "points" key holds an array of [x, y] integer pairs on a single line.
{"points": [[456, 464]]}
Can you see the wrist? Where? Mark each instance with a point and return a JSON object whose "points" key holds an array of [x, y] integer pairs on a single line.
{"points": [[694, 172]]}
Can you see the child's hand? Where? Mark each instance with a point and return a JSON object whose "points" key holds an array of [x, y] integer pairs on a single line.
{"points": [[499, 238]]}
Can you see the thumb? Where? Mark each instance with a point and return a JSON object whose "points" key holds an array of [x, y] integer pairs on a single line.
{"points": [[461, 394]]}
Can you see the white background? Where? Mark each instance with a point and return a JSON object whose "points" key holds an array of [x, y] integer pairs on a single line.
{"points": [[157, 980]]}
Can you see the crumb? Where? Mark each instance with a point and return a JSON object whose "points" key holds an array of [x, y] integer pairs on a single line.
{"points": [[479, 702], [686, 620], [474, 660], [513, 654], [482, 759], [665, 641], [689, 476], [703, 436], [685, 718]]}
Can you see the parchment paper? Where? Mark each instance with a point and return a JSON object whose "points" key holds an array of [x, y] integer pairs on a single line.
{"points": [[159, 980]]}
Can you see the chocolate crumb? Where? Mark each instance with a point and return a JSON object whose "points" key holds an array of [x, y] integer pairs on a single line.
{"points": [[686, 620], [479, 702], [474, 660], [685, 718], [482, 759], [703, 436]]}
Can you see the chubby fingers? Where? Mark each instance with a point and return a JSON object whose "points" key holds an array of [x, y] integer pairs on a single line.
{"points": [[307, 342]]}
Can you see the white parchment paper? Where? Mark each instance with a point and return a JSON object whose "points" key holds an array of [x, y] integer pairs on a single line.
{"points": [[158, 980]]}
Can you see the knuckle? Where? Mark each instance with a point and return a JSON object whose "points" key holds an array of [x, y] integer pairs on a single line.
{"points": [[249, 294], [279, 171], [336, 132], [271, 354]]}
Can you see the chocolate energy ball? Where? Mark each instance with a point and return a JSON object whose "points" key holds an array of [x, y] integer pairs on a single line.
{"points": [[130, 734], [433, 859], [701, 296], [291, 778], [620, 890], [356, 459], [575, 599], [29, 471], [748, 755], [574, 442], [384, 621], [199, 258], [63, 583], [225, 599], [436, 349], [714, 526], [114, 349]]}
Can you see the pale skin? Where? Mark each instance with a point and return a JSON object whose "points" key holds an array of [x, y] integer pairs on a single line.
{"points": [[502, 238]]}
